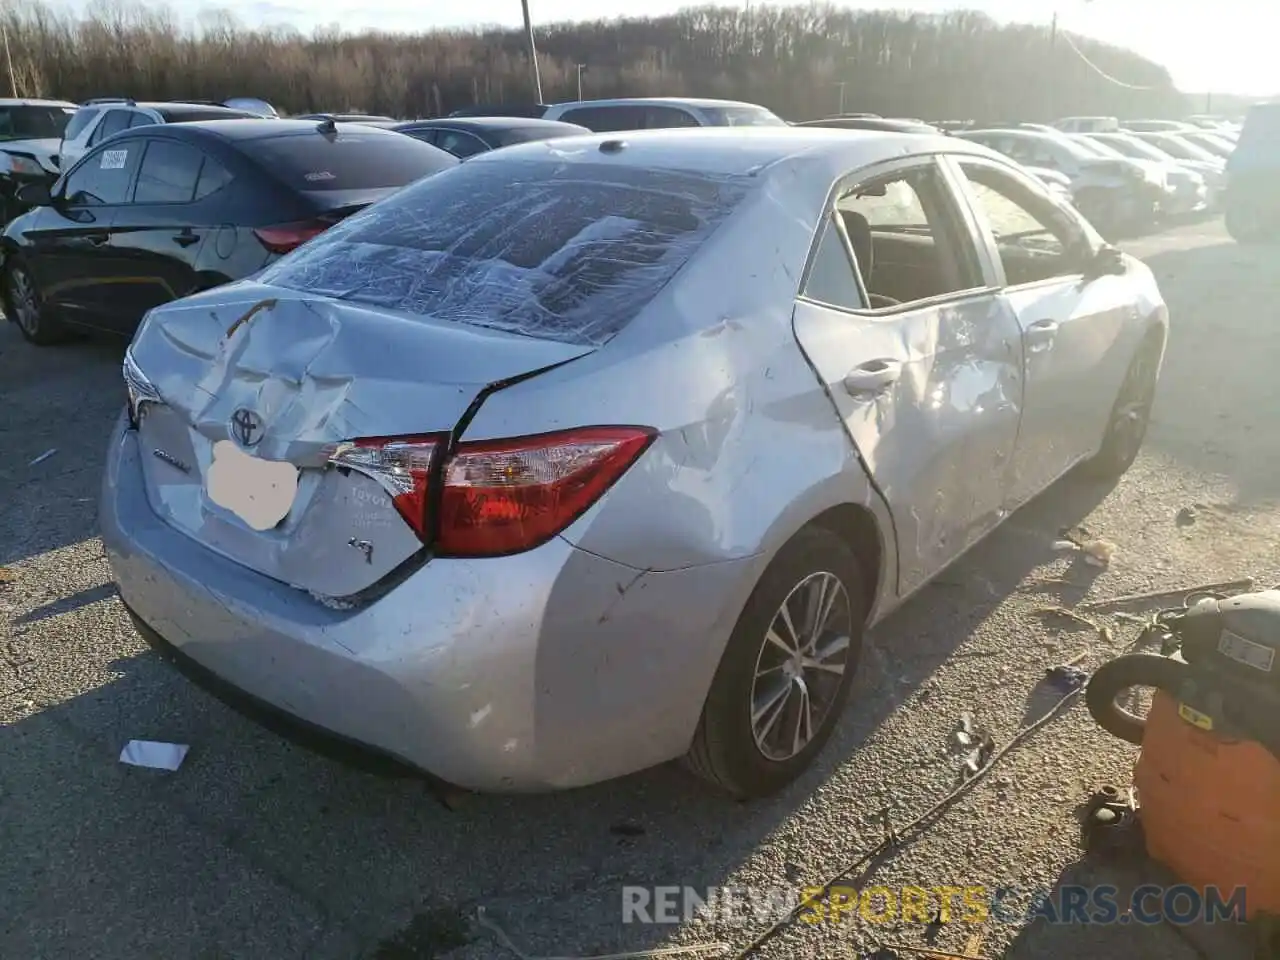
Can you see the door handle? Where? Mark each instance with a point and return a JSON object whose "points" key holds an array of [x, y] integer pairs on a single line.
{"points": [[1041, 333], [872, 376], [185, 239]]}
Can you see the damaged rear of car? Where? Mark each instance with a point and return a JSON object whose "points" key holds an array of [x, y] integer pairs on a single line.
{"points": [[294, 501]]}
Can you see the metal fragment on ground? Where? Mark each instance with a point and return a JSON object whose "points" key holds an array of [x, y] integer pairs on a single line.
{"points": [[154, 754]]}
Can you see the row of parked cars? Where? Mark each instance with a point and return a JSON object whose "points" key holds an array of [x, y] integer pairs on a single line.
{"points": [[462, 461]]}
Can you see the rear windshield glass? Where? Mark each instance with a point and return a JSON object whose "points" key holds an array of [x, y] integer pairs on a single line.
{"points": [[349, 160], [568, 252], [527, 134]]}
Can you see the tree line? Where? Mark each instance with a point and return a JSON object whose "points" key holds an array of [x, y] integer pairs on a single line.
{"points": [[794, 60]]}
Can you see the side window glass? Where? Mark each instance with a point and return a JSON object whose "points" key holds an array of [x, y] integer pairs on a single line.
{"points": [[168, 173], [426, 136], [78, 122], [1034, 239], [607, 119], [104, 177], [659, 118], [138, 119], [213, 177], [907, 237], [458, 143], [112, 122], [831, 278]]}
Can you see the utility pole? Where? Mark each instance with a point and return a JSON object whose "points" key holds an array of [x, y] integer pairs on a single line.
{"points": [[841, 85], [581, 67], [8, 59], [533, 50]]}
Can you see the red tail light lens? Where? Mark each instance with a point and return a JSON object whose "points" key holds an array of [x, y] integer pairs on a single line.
{"points": [[501, 496], [401, 465], [506, 496], [286, 236]]}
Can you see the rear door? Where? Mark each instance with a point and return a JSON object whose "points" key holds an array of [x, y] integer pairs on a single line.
{"points": [[157, 238], [929, 383], [70, 244], [1070, 330]]}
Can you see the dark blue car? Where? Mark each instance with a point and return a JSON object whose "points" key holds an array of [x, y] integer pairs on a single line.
{"points": [[1253, 178]]}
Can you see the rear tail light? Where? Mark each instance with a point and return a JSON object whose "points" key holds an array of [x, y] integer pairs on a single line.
{"points": [[498, 497], [284, 237]]}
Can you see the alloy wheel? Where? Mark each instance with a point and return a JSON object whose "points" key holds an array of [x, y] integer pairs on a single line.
{"points": [[26, 305], [1132, 411], [800, 666]]}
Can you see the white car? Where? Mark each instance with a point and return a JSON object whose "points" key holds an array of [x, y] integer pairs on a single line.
{"points": [[661, 113], [96, 120], [30, 139]]}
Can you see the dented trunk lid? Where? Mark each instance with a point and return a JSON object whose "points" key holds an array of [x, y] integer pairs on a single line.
{"points": [[311, 372]]}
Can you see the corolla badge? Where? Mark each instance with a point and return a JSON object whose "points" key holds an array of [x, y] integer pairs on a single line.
{"points": [[247, 427]]}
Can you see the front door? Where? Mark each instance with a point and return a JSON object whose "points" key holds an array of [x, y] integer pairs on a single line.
{"points": [[921, 358], [156, 239], [1071, 330], [70, 243]]}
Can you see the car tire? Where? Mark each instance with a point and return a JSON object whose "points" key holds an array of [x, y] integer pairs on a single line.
{"points": [[24, 305], [1130, 414], [750, 740]]}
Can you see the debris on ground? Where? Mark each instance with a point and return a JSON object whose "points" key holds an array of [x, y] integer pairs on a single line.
{"points": [[1098, 553], [1186, 517], [1227, 586], [1068, 676], [932, 953], [1071, 615], [154, 754], [696, 950], [7, 575], [977, 743], [43, 457], [627, 828]]}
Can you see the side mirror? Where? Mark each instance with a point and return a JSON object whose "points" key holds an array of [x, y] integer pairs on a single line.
{"points": [[35, 195], [1108, 261]]}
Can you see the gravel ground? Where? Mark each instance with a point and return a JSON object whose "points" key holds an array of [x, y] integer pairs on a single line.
{"points": [[256, 848]]}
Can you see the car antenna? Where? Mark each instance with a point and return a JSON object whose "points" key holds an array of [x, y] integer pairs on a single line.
{"points": [[327, 125]]}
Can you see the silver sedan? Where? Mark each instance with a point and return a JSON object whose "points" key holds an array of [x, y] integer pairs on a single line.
{"points": [[596, 453]]}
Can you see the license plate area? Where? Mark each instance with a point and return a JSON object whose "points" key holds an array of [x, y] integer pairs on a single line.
{"points": [[1247, 652], [259, 492]]}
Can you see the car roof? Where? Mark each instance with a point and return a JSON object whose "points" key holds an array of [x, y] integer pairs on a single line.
{"points": [[491, 123], [659, 101], [736, 151], [24, 102], [251, 128]]}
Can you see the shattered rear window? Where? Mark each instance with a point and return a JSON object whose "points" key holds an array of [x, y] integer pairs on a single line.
{"points": [[552, 250]]}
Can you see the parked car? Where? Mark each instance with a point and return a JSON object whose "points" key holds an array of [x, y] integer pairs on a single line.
{"points": [[30, 138], [1113, 194], [1186, 189], [98, 119], [527, 110], [168, 209], [413, 484], [1086, 124], [1156, 126], [1191, 157], [347, 117], [253, 105], [466, 136], [1212, 142], [604, 116], [884, 124], [1252, 195]]}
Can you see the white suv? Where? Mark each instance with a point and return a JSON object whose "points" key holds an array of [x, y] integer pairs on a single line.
{"points": [[30, 136], [98, 119]]}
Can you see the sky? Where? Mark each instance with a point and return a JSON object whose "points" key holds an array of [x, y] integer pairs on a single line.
{"points": [[1227, 46]]}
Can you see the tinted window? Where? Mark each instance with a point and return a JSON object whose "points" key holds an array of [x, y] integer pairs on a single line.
{"points": [[168, 173], [189, 114], [530, 134], [831, 279], [742, 117], [460, 144], [213, 177], [426, 136], [349, 160], [104, 176], [606, 119], [658, 118], [568, 252], [78, 122], [32, 123], [138, 119], [113, 122]]}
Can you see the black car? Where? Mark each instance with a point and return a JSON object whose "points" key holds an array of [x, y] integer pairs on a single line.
{"points": [[346, 117], [472, 135], [159, 212]]}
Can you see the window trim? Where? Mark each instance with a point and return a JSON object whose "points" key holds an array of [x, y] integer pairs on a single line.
{"points": [[878, 171], [484, 147], [992, 249]]}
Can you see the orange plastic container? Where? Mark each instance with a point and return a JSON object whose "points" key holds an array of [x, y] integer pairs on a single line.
{"points": [[1210, 808]]}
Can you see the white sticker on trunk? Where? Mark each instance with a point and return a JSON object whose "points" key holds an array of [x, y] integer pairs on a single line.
{"points": [[259, 492], [114, 159]]}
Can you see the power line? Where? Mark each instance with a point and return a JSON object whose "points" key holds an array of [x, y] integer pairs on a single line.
{"points": [[1097, 69]]}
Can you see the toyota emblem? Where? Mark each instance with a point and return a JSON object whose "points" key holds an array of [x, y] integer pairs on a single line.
{"points": [[246, 427]]}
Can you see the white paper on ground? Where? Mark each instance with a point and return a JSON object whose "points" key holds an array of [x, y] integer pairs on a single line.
{"points": [[154, 754]]}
